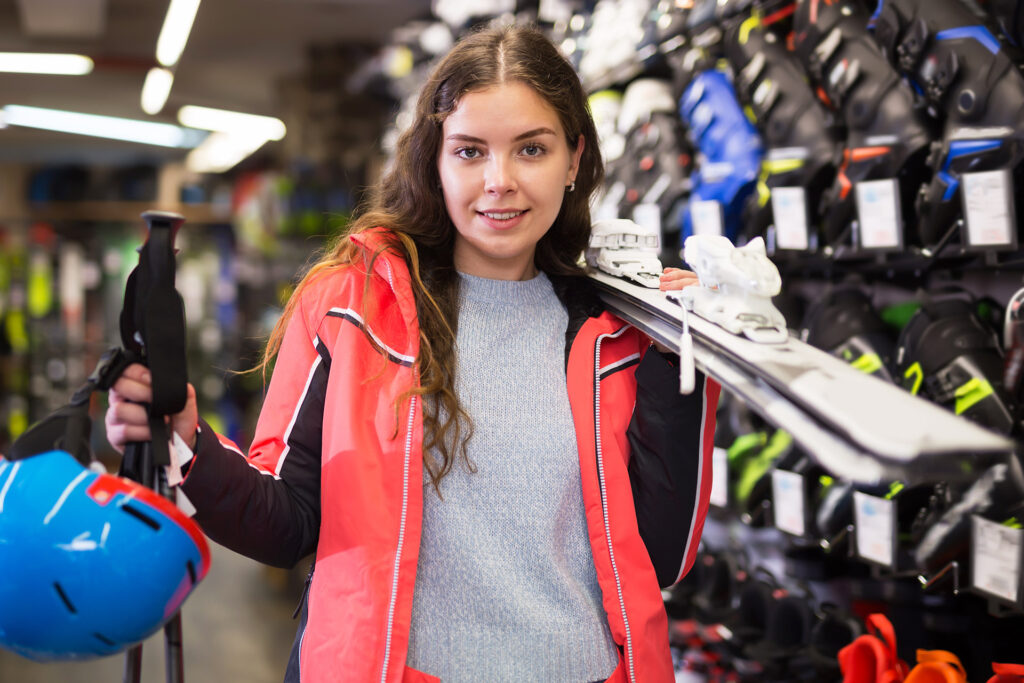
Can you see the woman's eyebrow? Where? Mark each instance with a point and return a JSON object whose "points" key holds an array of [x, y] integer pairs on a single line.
{"points": [[461, 137]]}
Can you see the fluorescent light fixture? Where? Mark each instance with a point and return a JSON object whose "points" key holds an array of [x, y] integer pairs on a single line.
{"points": [[45, 63], [145, 132], [236, 123], [222, 151], [156, 89], [174, 34]]}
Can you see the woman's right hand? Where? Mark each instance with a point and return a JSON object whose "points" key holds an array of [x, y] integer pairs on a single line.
{"points": [[127, 420]]}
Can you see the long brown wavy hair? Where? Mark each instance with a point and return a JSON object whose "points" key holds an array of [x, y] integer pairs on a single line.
{"points": [[408, 202]]}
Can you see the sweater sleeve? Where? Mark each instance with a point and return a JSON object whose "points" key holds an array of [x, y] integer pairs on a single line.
{"points": [[671, 440], [267, 506]]}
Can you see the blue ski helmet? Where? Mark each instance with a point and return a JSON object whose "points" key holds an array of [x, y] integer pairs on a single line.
{"points": [[91, 563]]}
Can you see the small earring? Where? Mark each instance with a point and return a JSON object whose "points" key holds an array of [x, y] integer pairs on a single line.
{"points": [[571, 186]]}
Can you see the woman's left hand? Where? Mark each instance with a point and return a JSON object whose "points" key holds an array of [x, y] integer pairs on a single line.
{"points": [[677, 278], [674, 278]]}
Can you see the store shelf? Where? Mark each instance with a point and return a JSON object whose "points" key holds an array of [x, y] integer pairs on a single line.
{"points": [[102, 211]]}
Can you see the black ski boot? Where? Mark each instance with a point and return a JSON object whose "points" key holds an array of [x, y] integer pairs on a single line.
{"points": [[887, 137], [798, 131], [971, 80]]}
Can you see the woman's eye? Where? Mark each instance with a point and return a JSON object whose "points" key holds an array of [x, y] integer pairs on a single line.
{"points": [[467, 153], [533, 150]]}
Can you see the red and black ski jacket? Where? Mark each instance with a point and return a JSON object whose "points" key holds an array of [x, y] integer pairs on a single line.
{"points": [[334, 469]]}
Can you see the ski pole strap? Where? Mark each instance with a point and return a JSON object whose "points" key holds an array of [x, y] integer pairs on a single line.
{"points": [[68, 428], [153, 318]]}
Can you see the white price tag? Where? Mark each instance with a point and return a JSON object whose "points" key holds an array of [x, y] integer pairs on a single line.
{"points": [[788, 502], [648, 216], [706, 217], [789, 212], [988, 208], [875, 520], [996, 558], [878, 212], [719, 477]]}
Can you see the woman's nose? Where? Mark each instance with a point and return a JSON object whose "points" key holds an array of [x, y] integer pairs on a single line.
{"points": [[499, 176]]}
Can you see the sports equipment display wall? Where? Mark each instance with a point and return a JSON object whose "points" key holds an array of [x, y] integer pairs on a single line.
{"points": [[875, 146]]}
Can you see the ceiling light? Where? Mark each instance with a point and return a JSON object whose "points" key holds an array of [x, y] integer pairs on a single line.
{"points": [[221, 151], [44, 63], [236, 123], [156, 89], [174, 34], [146, 132]]}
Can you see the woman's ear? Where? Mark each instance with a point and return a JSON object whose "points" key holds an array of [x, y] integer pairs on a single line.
{"points": [[577, 153]]}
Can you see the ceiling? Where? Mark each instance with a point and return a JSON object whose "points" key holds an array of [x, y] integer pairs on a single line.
{"points": [[237, 54]]}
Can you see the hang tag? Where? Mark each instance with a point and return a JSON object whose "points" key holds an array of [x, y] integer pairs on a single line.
{"points": [[706, 217], [875, 520], [183, 503], [788, 502], [988, 208], [789, 211], [878, 212], [719, 477], [996, 559], [180, 454]]}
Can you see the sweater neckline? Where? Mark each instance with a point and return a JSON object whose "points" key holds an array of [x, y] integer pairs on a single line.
{"points": [[534, 290]]}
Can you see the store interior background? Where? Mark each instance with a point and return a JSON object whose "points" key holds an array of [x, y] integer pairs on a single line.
{"points": [[70, 223], [337, 76]]}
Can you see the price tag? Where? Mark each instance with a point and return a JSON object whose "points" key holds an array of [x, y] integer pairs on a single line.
{"points": [[996, 558], [789, 211], [788, 502], [706, 217], [988, 208], [648, 216], [719, 477], [878, 212], [875, 520]]}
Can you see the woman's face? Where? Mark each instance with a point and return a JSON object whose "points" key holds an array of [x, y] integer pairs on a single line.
{"points": [[504, 166]]}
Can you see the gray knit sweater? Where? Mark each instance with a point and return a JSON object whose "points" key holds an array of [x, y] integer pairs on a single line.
{"points": [[506, 588]]}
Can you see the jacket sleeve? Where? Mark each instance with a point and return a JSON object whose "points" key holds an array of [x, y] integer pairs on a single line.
{"points": [[267, 506], [671, 440]]}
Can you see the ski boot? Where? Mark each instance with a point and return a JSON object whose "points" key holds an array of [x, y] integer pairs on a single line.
{"points": [[659, 162], [886, 136], [947, 353], [799, 133], [971, 80], [729, 149], [844, 323]]}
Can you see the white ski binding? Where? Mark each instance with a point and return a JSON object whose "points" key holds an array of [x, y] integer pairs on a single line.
{"points": [[625, 249], [736, 287]]}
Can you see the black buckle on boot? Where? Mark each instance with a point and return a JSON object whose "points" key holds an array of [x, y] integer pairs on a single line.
{"points": [[910, 49]]}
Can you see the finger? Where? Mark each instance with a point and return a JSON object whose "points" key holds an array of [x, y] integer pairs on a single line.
{"points": [[129, 389], [129, 414], [681, 283], [138, 373]]}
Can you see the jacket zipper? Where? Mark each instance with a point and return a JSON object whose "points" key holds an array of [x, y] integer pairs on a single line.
{"points": [[604, 494], [298, 610], [401, 539]]}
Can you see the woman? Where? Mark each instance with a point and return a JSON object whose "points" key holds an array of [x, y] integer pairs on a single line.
{"points": [[495, 474]]}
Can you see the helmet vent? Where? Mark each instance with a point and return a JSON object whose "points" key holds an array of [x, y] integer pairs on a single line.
{"points": [[103, 639], [64, 598], [142, 517]]}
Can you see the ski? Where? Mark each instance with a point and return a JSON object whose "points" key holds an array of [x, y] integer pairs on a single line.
{"points": [[856, 426]]}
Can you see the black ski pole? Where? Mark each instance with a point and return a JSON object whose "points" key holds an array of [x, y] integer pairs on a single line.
{"points": [[153, 327]]}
